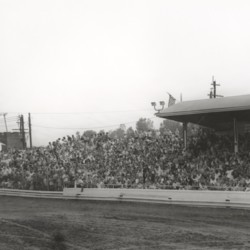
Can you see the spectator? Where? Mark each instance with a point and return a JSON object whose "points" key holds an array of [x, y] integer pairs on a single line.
{"points": [[135, 160]]}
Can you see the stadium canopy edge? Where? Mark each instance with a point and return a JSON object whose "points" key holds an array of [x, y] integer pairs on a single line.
{"points": [[222, 114]]}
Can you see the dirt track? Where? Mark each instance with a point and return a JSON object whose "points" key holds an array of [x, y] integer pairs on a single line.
{"points": [[31, 223]]}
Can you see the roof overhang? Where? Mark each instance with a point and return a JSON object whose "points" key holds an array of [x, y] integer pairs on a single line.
{"points": [[216, 113]]}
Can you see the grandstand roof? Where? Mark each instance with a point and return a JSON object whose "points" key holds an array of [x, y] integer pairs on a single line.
{"points": [[217, 113]]}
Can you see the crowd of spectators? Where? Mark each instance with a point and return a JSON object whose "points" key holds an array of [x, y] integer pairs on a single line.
{"points": [[152, 159]]}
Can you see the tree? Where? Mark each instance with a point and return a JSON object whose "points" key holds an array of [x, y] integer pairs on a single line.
{"points": [[118, 133], [144, 124], [130, 132], [89, 133], [78, 135]]}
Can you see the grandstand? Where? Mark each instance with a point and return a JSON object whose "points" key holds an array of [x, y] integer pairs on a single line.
{"points": [[142, 159], [222, 114], [150, 159]]}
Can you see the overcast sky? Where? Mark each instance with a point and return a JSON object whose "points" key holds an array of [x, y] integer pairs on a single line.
{"points": [[93, 64]]}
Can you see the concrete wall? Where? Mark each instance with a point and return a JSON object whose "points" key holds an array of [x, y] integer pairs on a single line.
{"points": [[197, 196]]}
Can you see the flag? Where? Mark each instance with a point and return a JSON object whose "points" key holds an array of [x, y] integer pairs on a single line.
{"points": [[171, 100]]}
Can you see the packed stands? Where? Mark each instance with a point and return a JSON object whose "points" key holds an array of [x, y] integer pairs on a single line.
{"points": [[153, 159]]}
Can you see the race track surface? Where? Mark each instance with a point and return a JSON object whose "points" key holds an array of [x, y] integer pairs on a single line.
{"points": [[32, 224]]}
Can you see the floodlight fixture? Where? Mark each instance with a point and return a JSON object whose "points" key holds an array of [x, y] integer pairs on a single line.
{"points": [[162, 104]]}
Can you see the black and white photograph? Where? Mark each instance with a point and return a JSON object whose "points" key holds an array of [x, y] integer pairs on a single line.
{"points": [[124, 124]]}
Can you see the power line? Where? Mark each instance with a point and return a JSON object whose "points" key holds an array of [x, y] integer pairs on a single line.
{"points": [[8, 117], [99, 127], [8, 122], [11, 118], [9, 125], [80, 113], [109, 126]]}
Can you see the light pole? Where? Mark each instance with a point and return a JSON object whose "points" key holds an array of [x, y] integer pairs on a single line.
{"points": [[162, 104]]}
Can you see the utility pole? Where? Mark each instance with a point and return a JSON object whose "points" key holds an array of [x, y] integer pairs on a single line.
{"points": [[214, 86], [30, 134], [22, 131], [6, 128], [213, 93], [4, 115], [210, 93], [20, 125]]}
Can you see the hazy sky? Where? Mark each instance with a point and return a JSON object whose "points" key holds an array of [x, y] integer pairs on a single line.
{"points": [[93, 64]]}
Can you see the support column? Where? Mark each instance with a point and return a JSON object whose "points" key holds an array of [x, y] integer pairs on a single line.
{"points": [[185, 134], [236, 137]]}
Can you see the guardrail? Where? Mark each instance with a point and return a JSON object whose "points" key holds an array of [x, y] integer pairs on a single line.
{"points": [[30, 193], [191, 197], [168, 187], [201, 197]]}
